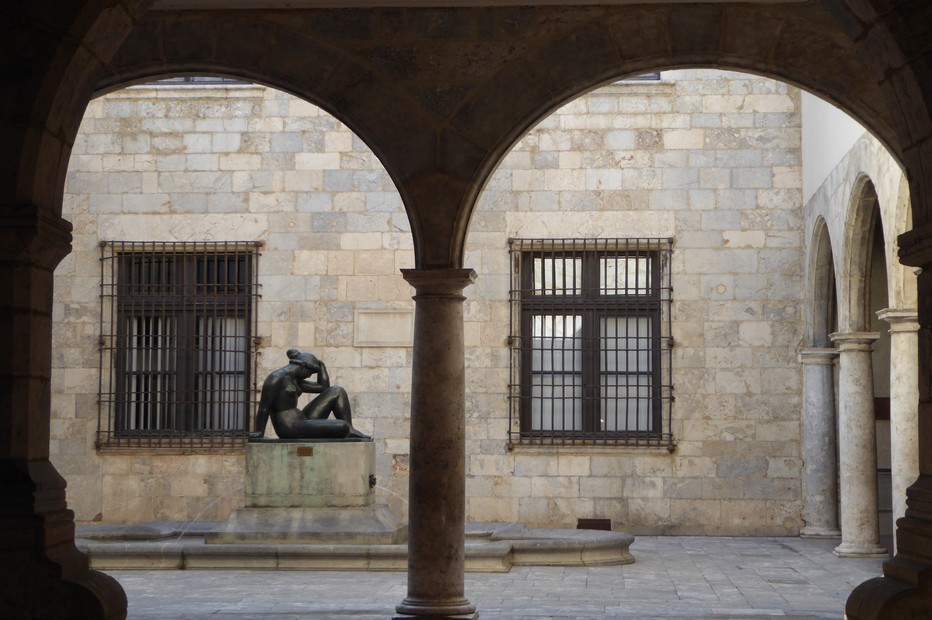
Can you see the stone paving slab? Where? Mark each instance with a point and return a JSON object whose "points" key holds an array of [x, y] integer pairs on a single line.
{"points": [[674, 577]]}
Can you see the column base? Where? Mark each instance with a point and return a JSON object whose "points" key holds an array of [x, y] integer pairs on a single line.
{"points": [[860, 550], [433, 609], [819, 532], [43, 575], [905, 590]]}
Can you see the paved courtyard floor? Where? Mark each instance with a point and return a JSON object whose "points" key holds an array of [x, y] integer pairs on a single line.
{"points": [[674, 577]]}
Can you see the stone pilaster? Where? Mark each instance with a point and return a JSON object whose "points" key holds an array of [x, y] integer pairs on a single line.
{"points": [[904, 403], [857, 446], [43, 574], [437, 478], [819, 446]]}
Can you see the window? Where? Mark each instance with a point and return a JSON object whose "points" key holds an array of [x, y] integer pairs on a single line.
{"points": [[591, 341], [198, 80], [652, 76], [177, 362]]}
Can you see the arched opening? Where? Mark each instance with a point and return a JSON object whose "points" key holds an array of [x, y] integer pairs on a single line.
{"points": [[819, 414], [823, 288], [706, 160], [689, 33], [155, 381], [878, 300]]}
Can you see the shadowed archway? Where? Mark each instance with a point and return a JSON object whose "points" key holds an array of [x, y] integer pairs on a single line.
{"points": [[440, 95]]}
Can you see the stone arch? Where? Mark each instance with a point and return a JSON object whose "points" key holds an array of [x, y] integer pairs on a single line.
{"points": [[867, 160], [444, 131], [901, 279], [616, 49], [465, 106]]}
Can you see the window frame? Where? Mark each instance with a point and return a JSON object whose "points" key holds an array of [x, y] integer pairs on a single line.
{"points": [[192, 297], [593, 303]]}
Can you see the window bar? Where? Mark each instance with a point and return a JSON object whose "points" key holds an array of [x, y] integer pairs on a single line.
{"points": [[667, 291], [220, 413], [514, 392], [640, 284], [102, 345], [225, 412], [149, 314], [171, 277]]}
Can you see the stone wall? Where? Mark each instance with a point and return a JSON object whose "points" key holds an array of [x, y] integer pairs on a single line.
{"points": [[710, 159]]}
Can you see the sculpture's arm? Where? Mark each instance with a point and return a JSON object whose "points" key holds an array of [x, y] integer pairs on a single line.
{"points": [[323, 378], [322, 383], [262, 413]]}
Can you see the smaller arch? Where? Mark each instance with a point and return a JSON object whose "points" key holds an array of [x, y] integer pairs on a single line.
{"points": [[901, 278], [855, 274], [822, 317]]}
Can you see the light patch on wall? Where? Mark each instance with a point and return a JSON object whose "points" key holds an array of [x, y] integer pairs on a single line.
{"points": [[384, 328]]}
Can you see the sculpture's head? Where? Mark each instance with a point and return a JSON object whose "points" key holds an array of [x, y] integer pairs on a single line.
{"points": [[305, 360]]}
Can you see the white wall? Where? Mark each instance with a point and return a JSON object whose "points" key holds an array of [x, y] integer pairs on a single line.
{"points": [[828, 134]]}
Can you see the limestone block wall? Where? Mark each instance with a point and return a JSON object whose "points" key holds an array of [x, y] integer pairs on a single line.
{"points": [[708, 158]]}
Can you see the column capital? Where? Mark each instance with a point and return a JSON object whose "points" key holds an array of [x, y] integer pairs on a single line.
{"points": [[818, 355], [900, 319], [30, 234], [439, 281], [916, 246], [854, 341]]}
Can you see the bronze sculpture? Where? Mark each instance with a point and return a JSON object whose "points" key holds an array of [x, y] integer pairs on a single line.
{"points": [[279, 401]]}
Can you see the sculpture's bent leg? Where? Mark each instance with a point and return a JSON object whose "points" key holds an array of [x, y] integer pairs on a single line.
{"points": [[316, 429], [333, 400]]}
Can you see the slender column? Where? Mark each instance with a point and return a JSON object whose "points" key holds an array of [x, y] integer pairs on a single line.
{"points": [[857, 446], [437, 476], [904, 403], [820, 471], [42, 573]]}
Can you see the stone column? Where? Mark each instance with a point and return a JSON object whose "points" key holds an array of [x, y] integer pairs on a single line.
{"points": [[42, 573], [905, 590], [437, 477], [904, 403], [857, 446], [820, 471]]}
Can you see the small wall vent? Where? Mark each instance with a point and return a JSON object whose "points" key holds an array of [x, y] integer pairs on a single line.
{"points": [[594, 524]]}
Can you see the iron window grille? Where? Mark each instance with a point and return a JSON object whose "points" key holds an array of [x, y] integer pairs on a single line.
{"points": [[198, 80], [591, 342], [652, 76], [177, 357]]}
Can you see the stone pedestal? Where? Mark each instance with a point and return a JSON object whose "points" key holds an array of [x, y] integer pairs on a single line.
{"points": [[314, 491]]}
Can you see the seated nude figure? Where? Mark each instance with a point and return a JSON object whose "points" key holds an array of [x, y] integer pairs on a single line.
{"points": [[279, 401]]}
